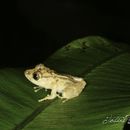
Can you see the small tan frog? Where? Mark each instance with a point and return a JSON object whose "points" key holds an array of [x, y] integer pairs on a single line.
{"points": [[62, 86]]}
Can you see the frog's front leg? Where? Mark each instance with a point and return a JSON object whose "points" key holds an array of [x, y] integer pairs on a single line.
{"points": [[49, 97], [37, 88]]}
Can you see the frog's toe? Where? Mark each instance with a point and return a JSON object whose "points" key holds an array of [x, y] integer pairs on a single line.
{"points": [[65, 100], [43, 99]]}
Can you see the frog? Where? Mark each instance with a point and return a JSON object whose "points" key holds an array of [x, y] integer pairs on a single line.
{"points": [[63, 86]]}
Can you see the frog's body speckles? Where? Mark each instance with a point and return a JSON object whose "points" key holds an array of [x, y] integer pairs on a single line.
{"points": [[62, 86]]}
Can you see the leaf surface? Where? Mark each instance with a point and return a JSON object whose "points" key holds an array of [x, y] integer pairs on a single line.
{"points": [[103, 105]]}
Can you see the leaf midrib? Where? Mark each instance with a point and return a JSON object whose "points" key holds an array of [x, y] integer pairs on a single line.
{"points": [[38, 110]]}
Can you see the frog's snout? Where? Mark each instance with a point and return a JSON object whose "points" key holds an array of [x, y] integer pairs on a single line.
{"points": [[27, 72]]}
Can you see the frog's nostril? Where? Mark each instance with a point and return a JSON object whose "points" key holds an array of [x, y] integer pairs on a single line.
{"points": [[26, 72]]}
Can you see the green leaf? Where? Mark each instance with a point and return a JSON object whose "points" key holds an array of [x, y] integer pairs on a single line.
{"points": [[103, 105]]}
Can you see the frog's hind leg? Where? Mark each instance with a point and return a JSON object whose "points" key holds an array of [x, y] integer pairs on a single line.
{"points": [[63, 99], [59, 95]]}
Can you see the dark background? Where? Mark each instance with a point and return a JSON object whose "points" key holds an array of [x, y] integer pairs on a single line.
{"points": [[31, 30]]}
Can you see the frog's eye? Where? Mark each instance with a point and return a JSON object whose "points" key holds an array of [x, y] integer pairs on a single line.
{"points": [[36, 76]]}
